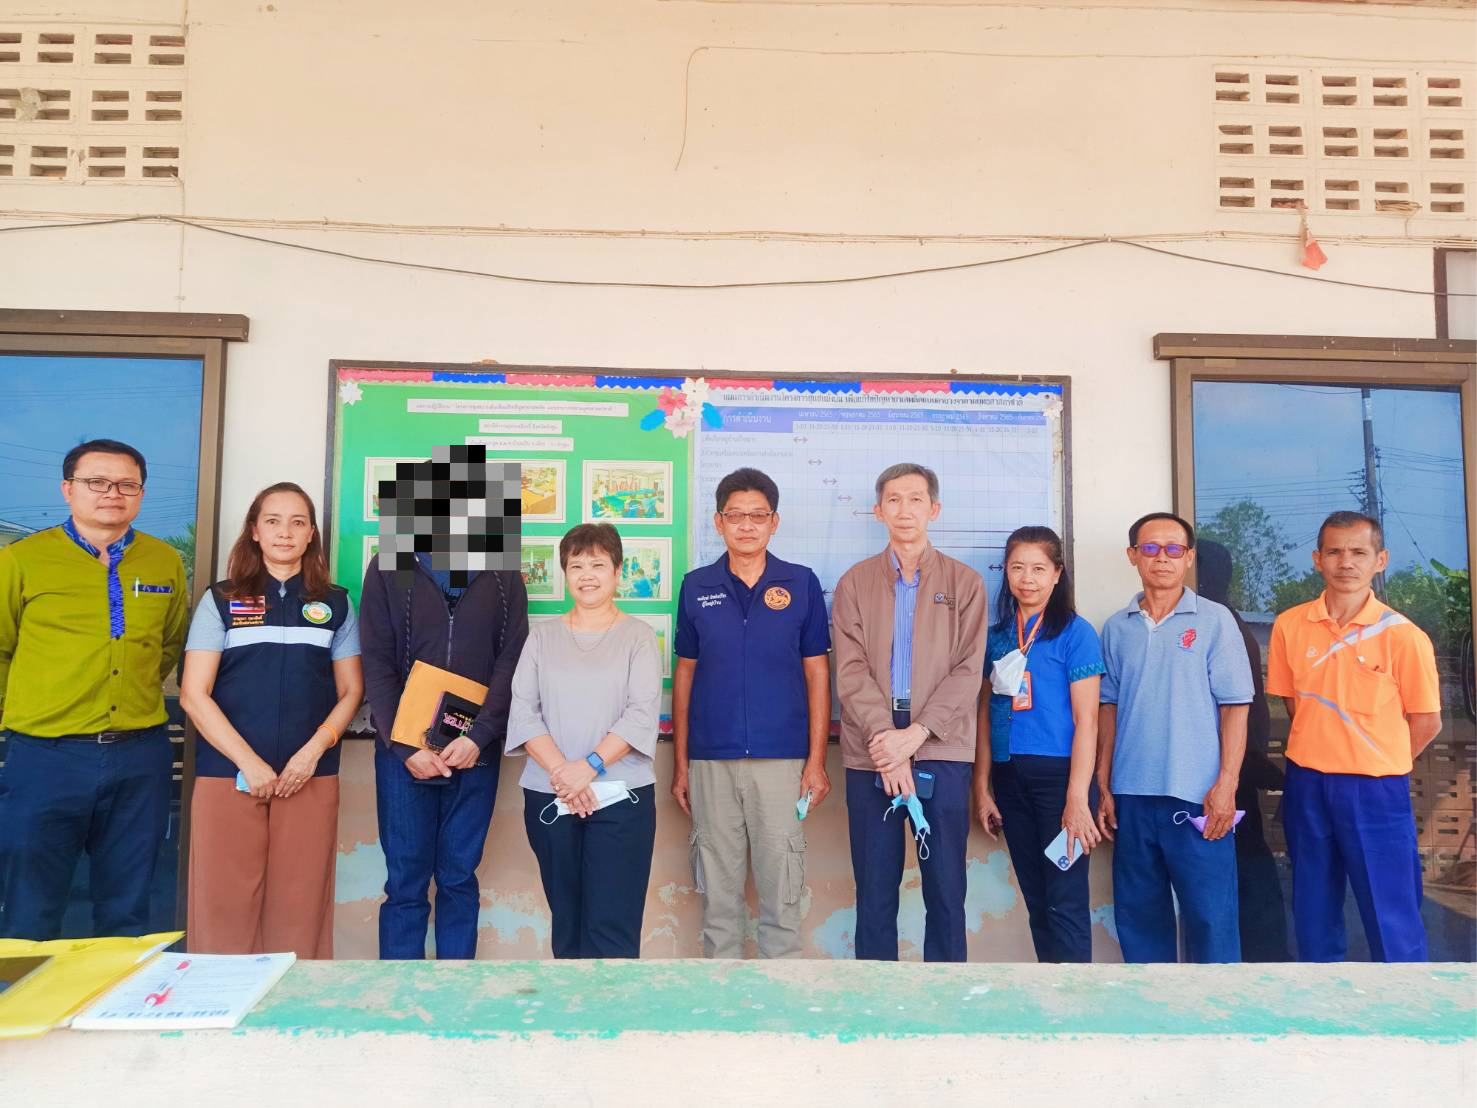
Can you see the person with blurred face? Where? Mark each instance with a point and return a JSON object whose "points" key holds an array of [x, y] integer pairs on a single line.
{"points": [[586, 703], [1361, 686], [435, 808], [751, 715], [1038, 741], [909, 626], [1171, 735], [92, 619], [272, 679]]}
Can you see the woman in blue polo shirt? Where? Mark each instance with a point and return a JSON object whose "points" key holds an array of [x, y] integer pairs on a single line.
{"points": [[1038, 740], [272, 679]]}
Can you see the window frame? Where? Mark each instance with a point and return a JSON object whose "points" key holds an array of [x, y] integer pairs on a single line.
{"points": [[161, 335], [1312, 359]]}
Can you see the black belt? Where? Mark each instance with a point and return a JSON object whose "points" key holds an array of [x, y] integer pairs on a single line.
{"points": [[106, 737]]}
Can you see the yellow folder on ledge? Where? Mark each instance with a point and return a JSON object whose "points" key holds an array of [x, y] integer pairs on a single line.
{"points": [[79, 970], [423, 691]]}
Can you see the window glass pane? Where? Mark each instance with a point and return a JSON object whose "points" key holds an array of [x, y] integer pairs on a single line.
{"points": [[1271, 461], [153, 404], [1461, 310]]}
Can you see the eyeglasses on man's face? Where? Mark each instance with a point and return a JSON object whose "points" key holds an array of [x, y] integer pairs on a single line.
{"points": [[758, 519], [1152, 549], [102, 486]]}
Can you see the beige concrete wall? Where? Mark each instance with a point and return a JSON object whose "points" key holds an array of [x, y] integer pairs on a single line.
{"points": [[758, 141]]}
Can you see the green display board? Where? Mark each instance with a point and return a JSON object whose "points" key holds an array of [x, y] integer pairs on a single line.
{"points": [[645, 452]]}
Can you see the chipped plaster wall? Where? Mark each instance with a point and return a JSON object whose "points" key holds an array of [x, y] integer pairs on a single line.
{"points": [[515, 918]]}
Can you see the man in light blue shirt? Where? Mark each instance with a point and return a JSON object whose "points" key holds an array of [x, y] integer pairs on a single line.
{"points": [[1171, 735]]}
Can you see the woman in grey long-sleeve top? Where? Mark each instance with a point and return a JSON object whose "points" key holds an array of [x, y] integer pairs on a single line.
{"points": [[585, 701]]}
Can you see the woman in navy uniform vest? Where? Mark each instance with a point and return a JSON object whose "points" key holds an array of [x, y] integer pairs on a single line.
{"points": [[271, 681]]}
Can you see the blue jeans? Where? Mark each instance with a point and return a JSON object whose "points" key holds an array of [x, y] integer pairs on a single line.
{"points": [[430, 830], [1153, 855], [60, 797], [595, 872], [1031, 791], [877, 851], [1346, 829]]}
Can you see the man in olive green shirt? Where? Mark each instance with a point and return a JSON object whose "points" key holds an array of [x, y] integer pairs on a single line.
{"points": [[93, 617]]}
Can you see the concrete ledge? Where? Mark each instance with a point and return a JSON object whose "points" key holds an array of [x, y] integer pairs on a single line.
{"points": [[761, 1033]]}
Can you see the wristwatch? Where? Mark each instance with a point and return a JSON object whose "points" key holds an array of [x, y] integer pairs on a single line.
{"points": [[597, 763]]}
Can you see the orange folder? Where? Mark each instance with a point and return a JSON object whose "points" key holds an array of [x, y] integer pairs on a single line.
{"points": [[423, 691]]}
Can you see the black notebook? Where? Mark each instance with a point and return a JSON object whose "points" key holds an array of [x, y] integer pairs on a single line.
{"points": [[453, 719]]}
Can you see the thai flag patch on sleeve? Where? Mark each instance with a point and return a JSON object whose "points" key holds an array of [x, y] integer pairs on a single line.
{"points": [[252, 606]]}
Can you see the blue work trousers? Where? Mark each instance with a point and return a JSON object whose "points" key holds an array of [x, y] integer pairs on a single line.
{"points": [[1155, 861], [1346, 829]]}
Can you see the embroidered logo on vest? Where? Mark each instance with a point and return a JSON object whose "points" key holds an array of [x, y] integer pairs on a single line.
{"points": [[315, 611], [777, 598]]}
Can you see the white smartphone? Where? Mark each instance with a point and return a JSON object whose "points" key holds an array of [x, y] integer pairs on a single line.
{"points": [[1057, 852]]}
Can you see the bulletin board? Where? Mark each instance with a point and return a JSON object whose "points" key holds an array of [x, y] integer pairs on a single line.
{"points": [[645, 451]]}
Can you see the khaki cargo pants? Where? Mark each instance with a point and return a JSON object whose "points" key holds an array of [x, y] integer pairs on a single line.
{"points": [[744, 810]]}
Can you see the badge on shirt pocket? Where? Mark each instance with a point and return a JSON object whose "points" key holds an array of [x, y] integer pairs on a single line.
{"points": [[1021, 702]]}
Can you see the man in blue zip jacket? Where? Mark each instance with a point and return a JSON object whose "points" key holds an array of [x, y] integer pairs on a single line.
{"points": [[434, 810], [751, 713]]}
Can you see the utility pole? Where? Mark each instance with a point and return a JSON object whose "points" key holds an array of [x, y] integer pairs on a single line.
{"points": [[1371, 477]]}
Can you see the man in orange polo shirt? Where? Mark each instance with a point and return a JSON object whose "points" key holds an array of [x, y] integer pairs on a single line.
{"points": [[1360, 683]]}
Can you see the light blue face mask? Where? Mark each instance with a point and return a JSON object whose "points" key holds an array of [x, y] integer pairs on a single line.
{"points": [[802, 806], [916, 816]]}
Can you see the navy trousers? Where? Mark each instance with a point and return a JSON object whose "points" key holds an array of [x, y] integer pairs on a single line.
{"points": [[431, 830], [1156, 860], [60, 797], [877, 850], [595, 872], [1031, 791], [1346, 829]]}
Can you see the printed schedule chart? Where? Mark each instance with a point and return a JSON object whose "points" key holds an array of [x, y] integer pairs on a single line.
{"points": [[994, 459]]}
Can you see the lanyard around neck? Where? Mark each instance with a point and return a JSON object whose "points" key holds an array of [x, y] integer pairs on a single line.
{"points": [[1022, 640]]}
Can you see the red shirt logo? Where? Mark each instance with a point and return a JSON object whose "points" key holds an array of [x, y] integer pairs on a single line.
{"points": [[1187, 639]]}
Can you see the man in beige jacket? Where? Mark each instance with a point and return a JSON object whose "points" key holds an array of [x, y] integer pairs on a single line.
{"points": [[908, 626]]}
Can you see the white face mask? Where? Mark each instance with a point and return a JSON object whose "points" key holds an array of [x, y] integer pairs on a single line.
{"points": [[1008, 673], [606, 794]]}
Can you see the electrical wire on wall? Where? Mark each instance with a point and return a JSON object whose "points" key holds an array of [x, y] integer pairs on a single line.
{"points": [[796, 282]]}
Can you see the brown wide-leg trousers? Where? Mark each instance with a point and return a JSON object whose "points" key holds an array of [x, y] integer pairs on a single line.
{"points": [[261, 871]]}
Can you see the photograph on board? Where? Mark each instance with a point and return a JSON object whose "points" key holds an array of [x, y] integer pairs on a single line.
{"points": [[646, 571], [540, 566], [375, 471], [542, 489], [662, 625], [628, 492], [371, 550]]}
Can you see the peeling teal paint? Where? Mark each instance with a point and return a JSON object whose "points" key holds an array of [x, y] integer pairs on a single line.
{"points": [[511, 914], [836, 934], [851, 1000], [359, 874], [991, 892], [1104, 917]]}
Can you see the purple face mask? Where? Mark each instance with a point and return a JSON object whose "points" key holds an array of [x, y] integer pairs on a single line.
{"points": [[1198, 822]]}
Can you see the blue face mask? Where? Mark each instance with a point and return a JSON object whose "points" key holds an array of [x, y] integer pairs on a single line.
{"points": [[916, 816], [802, 806]]}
